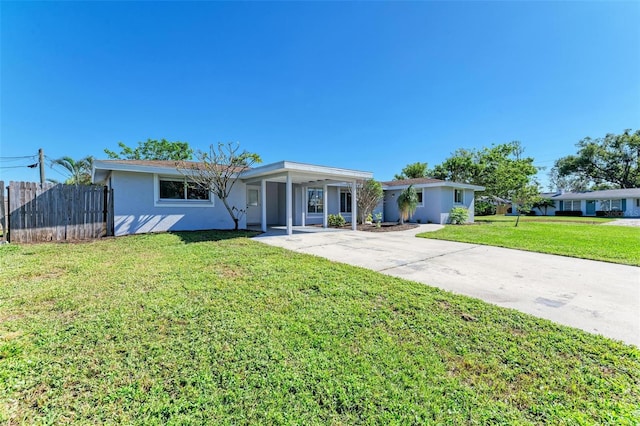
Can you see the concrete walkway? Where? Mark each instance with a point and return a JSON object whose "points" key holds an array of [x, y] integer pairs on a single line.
{"points": [[597, 297]]}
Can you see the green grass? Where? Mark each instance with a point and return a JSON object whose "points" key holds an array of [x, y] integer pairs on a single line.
{"points": [[216, 328], [584, 238]]}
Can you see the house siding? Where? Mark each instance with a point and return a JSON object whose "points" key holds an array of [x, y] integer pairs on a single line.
{"points": [[135, 211]]}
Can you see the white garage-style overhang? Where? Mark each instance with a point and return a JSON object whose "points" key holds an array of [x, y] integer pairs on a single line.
{"points": [[306, 175]]}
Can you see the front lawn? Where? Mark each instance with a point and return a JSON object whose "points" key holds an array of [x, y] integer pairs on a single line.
{"points": [[215, 328], [579, 237]]}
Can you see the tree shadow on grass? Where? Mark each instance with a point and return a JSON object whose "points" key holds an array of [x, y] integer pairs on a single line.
{"points": [[189, 237]]}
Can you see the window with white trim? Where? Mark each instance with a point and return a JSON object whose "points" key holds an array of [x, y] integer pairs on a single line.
{"points": [[611, 205], [458, 196], [345, 201], [181, 189], [571, 205], [252, 197], [420, 195], [315, 200]]}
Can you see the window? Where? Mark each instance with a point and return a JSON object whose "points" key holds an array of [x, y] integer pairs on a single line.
{"points": [[571, 205], [315, 200], [637, 202], [252, 198], [420, 199], [611, 205], [345, 202], [458, 196], [181, 189]]}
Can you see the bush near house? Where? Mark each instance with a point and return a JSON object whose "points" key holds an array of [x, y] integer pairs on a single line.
{"points": [[607, 213], [458, 215], [336, 220], [568, 213]]}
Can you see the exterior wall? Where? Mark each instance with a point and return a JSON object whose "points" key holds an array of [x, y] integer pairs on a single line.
{"points": [[631, 207], [135, 209], [437, 203], [390, 206]]}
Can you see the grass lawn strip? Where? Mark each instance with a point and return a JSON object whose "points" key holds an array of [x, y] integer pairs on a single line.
{"points": [[582, 239], [214, 327]]}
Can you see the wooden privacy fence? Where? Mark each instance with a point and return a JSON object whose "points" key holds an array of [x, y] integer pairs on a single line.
{"points": [[56, 212]]}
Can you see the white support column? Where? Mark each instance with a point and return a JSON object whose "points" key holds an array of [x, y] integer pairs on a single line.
{"points": [[304, 206], [325, 207], [263, 206], [289, 191], [354, 207]]}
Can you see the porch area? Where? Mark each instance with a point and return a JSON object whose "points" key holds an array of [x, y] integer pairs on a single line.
{"points": [[285, 195]]}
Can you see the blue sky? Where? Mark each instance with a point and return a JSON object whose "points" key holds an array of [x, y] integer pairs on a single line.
{"points": [[370, 86]]}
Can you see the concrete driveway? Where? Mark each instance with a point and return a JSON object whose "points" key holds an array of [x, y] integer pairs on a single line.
{"points": [[597, 297]]}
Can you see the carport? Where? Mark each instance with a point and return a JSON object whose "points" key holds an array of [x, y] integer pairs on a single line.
{"points": [[303, 177]]}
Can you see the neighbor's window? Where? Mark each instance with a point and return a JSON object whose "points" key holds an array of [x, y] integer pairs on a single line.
{"points": [[181, 189], [314, 200], [571, 205], [420, 203], [457, 196], [345, 202], [611, 205]]}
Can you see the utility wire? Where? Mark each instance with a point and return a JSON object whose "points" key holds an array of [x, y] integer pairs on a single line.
{"points": [[31, 166]]}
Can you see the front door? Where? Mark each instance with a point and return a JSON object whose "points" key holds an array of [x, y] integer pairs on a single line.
{"points": [[591, 208], [253, 205]]}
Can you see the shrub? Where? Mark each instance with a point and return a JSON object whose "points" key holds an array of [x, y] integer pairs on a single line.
{"points": [[484, 208], [569, 213], [458, 215], [336, 220], [606, 213]]}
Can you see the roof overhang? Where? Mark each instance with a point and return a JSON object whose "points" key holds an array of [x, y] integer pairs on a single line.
{"points": [[102, 169], [302, 173], [435, 185], [275, 172]]}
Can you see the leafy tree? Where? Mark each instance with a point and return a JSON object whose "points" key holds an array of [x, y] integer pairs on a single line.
{"points": [[613, 160], [568, 183], [543, 203], [79, 171], [501, 169], [525, 197], [407, 203], [463, 166], [153, 150], [413, 171], [218, 171], [369, 194]]}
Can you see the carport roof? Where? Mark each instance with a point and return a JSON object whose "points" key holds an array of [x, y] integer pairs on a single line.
{"points": [[302, 173]]}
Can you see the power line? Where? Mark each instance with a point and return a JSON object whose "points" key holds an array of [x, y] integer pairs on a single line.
{"points": [[9, 159], [31, 166]]}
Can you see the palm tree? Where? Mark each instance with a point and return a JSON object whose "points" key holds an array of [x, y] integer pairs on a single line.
{"points": [[79, 171], [407, 203]]}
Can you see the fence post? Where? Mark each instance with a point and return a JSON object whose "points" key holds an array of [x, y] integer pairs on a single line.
{"points": [[3, 212]]}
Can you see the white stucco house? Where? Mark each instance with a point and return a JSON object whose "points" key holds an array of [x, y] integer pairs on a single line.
{"points": [[436, 198], [593, 203], [153, 196]]}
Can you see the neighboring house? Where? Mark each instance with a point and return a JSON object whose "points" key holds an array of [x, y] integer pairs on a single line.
{"points": [[153, 196], [436, 198], [590, 203]]}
